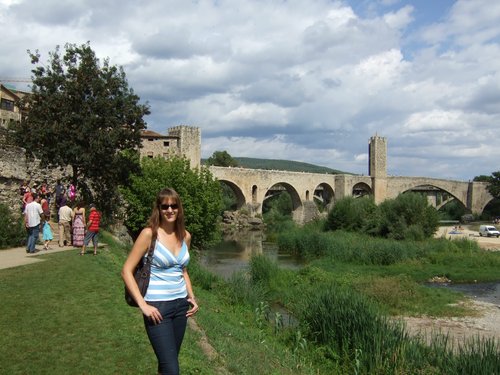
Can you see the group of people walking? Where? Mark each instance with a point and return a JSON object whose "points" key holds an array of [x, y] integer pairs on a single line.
{"points": [[74, 228], [47, 194]]}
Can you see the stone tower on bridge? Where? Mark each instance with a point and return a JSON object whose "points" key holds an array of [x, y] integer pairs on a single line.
{"points": [[377, 154]]}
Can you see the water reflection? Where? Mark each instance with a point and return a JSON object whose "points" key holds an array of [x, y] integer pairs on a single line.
{"points": [[485, 292], [235, 251]]}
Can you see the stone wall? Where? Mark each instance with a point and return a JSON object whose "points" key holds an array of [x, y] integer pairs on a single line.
{"points": [[14, 169]]}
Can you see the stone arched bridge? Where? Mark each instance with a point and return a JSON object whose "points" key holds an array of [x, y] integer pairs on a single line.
{"points": [[252, 186]]}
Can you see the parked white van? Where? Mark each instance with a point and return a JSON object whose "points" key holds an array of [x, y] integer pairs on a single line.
{"points": [[489, 231]]}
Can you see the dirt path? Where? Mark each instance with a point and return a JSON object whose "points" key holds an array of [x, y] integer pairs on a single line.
{"points": [[206, 347], [486, 322]]}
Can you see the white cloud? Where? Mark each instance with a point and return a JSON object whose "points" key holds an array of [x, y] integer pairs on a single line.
{"points": [[401, 18], [301, 80]]}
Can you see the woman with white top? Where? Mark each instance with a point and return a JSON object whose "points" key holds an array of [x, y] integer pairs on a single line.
{"points": [[169, 300]]}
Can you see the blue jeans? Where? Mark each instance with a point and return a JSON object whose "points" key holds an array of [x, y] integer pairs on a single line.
{"points": [[166, 337], [33, 233]]}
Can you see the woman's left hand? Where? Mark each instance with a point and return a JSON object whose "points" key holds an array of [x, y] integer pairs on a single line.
{"points": [[194, 307]]}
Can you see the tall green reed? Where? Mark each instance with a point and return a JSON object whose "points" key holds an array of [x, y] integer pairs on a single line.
{"points": [[359, 336], [352, 327]]}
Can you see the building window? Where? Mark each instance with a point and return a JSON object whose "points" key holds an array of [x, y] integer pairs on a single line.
{"points": [[150, 139], [150, 155], [7, 105], [166, 143]]}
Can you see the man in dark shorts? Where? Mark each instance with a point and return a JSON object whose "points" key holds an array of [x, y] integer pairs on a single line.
{"points": [[92, 229]]}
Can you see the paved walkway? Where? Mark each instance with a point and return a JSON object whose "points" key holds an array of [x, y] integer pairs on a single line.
{"points": [[18, 257]]}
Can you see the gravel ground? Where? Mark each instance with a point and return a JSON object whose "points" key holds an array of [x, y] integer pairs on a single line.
{"points": [[486, 321]]}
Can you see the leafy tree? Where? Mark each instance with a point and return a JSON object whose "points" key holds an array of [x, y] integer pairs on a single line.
{"points": [[200, 193], [494, 186], [278, 212], [222, 159], [229, 201], [281, 203], [82, 114], [409, 216], [352, 214], [482, 178], [453, 210]]}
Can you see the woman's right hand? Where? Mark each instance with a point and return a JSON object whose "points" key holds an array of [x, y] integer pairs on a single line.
{"points": [[152, 313]]}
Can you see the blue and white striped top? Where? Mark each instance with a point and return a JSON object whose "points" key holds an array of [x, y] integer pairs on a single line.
{"points": [[167, 281]]}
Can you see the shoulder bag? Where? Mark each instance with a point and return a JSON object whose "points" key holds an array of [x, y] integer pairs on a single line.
{"points": [[142, 273]]}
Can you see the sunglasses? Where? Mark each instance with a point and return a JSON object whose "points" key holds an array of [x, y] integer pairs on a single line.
{"points": [[165, 207]]}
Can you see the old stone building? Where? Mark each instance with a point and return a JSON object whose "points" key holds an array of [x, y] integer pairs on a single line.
{"points": [[9, 111], [180, 141]]}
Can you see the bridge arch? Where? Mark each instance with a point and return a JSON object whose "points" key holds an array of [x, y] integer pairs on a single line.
{"points": [[434, 188], [238, 193], [294, 195], [486, 202], [324, 195], [437, 196], [361, 189]]}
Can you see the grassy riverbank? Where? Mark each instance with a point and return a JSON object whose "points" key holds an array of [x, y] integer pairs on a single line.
{"points": [[67, 314], [392, 272]]}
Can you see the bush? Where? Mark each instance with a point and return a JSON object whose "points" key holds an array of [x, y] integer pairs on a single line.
{"points": [[351, 214], [200, 193], [409, 216], [12, 231]]}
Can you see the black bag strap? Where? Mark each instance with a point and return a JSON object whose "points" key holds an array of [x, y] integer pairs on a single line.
{"points": [[151, 249]]}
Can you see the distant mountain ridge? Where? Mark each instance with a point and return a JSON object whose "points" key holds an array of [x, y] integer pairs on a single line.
{"points": [[283, 165]]}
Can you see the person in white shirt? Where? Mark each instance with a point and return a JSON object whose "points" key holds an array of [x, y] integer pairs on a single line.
{"points": [[32, 214], [65, 217]]}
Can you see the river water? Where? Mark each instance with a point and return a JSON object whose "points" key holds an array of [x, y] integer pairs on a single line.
{"points": [[485, 292], [235, 251]]}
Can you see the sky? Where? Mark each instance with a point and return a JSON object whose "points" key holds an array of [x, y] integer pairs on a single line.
{"points": [[304, 80]]}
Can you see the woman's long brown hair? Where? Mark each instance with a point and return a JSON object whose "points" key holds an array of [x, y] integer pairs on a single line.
{"points": [[155, 218]]}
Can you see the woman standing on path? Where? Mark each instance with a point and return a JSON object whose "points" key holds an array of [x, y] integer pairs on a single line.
{"points": [[45, 206], [78, 225], [166, 305]]}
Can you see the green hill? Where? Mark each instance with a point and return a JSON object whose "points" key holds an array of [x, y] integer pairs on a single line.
{"points": [[283, 165]]}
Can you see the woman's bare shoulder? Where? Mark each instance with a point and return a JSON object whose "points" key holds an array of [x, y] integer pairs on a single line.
{"points": [[187, 238], [146, 233]]}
